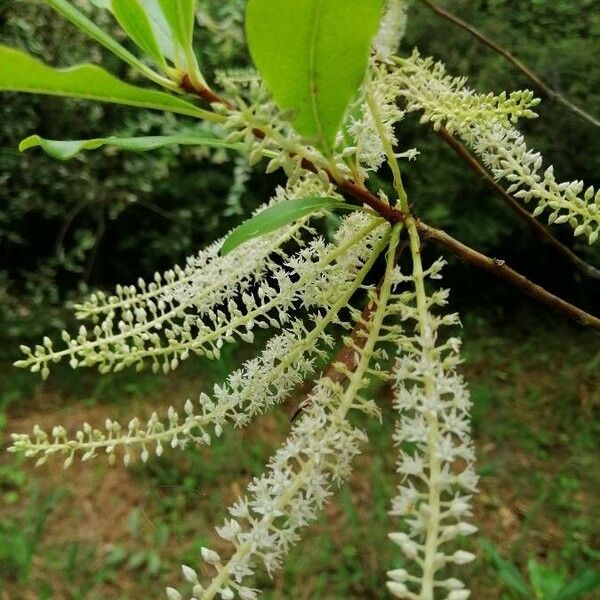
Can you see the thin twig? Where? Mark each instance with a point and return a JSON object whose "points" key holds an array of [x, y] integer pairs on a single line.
{"points": [[542, 232], [393, 215], [542, 86], [502, 270]]}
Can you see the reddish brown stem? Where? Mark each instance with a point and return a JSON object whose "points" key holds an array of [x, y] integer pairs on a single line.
{"points": [[502, 270]]}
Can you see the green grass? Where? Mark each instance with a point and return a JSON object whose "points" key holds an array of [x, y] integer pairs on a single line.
{"points": [[101, 533]]}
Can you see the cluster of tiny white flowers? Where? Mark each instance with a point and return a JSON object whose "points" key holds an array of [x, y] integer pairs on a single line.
{"points": [[263, 381], [163, 319], [392, 29], [200, 307], [362, 126], [265, 522], [447, 101], [484, 122], [436, 454], [504, 151], [254, 121]]}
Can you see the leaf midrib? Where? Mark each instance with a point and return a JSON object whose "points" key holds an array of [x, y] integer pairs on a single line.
{"points": [[312, 75]]}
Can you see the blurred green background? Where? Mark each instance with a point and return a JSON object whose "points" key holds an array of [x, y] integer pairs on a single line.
{"points": [[106, 533]]}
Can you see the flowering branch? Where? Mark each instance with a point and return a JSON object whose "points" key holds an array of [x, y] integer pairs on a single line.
{"points": [[395, 215], [549, 92], [544, 234]]}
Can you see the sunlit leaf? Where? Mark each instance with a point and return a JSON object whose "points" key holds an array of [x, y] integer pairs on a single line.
{"points": [[180, 15], [64, 150], [82, 22], [277, 216], [313, 55], [23, 73], [133, 19], [159, 24]]}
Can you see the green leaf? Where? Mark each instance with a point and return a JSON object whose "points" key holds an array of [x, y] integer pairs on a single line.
{"points": [[180, 15], [64, 150], [159, 24], [546, 582], [90, 28], [135, 22], [23, 73], [586, 582], [161, 28], [277, 216], [313, 55], [507, 572]]}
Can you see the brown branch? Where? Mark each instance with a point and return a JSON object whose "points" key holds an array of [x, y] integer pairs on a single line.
{"points": [[502, 270], [542, 86], [542, 232], [346, 356], [394, 215]]}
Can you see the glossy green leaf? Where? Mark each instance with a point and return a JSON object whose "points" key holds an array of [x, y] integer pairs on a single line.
{"points": [[277, 216], [80, 20], [180, 15], [135, 22], [159, 24], [23, 73], [64, 150], [313, 55]]}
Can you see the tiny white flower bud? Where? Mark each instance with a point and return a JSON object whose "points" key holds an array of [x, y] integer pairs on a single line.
{"points": [[459, 595], [398, 575], [466, 529], [189, 574], [461, 557], [397, 589], [452, 584], [210, 556], [173, 594]]}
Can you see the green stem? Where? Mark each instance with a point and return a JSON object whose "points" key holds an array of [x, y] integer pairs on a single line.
{"points": [[433, 426], [389, 152]]}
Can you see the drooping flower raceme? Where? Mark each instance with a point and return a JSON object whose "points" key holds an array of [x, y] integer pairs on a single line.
{"points": [[485, 123], [436, 454], [316, 456], [262, 382]]}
